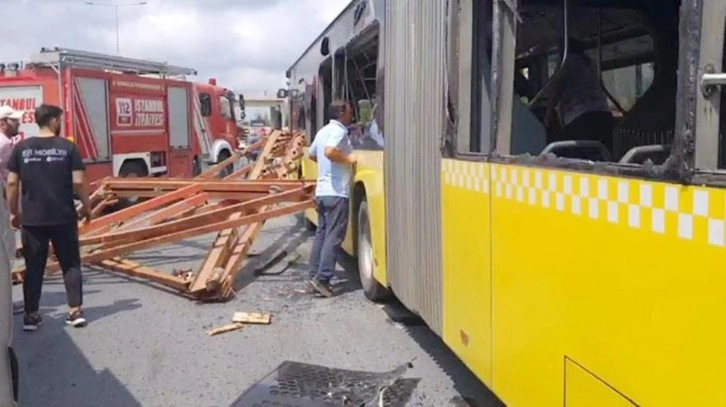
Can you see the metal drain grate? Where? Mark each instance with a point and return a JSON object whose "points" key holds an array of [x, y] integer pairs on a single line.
{"points": [[295, 384]]}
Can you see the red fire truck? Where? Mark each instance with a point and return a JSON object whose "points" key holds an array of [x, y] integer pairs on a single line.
{"points": [[129, 117]]}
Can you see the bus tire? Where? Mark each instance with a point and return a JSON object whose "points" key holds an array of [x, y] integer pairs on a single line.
{"points": [[372, 289]]}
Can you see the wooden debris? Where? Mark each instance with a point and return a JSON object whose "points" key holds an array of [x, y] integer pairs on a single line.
{"points": [[225, 329], [235, 207], [257, 318]]}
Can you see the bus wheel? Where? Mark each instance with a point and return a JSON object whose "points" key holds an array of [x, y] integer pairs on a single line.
{"points": [[372, 289]]}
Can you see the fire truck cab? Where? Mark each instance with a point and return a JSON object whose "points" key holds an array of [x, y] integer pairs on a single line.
{"points": [[129, 117]]}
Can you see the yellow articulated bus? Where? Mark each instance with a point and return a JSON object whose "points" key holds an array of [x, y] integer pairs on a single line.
{"points": [[564, 265]]}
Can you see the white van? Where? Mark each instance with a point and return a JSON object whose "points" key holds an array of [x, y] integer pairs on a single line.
{"points": [[8, 364]]}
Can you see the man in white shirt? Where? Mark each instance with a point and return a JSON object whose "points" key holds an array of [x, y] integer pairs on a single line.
{"points": [[9, 127], [333, 152]]}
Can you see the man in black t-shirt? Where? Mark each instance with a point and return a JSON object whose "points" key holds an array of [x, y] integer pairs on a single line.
{"points": [[49, 169]]}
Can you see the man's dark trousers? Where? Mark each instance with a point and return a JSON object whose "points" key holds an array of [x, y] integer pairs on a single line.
{"points": [[35, 251], [332, 226]]}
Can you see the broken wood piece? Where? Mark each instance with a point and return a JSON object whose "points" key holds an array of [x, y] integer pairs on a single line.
{"points": [[133, 269], [213, 282], [215, 256], [257, 318], [183, 208], [162, 214], [183, 234], [215, 169], [225, 329], [193, 221], [135, 210]]}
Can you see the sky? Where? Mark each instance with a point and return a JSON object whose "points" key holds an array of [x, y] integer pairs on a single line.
{"points": [[245, 44]]}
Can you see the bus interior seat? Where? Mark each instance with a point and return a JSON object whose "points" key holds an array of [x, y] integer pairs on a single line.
{"points": [[591, 150], [656, 153]]}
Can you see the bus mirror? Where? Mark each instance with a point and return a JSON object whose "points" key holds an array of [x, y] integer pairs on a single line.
{"points": [[282, 93]]}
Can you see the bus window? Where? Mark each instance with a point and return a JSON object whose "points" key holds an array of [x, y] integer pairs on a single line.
{"points": [[619, 77], [472, 98], [325, 74], [361, 87]]}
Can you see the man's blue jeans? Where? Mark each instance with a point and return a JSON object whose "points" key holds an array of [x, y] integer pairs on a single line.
{"points": [[332, 226]]}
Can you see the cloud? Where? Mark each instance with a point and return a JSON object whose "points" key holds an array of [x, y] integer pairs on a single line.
{"points": [[244, 44]]}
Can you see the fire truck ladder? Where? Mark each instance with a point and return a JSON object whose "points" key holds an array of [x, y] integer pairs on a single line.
{"points": [[58, 58]]}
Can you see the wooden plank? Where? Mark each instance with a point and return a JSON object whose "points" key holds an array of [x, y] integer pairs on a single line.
{"points": [[168, 212], [225, 329], [237, 196], [257, 318], [212, 260], [193, 221], [212, 172], [240, 173], [133, 269], [215, 258], [260, 164], [182, 235], [234, 263], [138, 209], [221, 185]]}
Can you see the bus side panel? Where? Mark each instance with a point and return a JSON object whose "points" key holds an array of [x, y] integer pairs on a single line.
{"points": [[414, 122], [369, 173], [466, 239], [606, 283]]}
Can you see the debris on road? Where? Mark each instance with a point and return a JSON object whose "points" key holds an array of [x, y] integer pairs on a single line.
{"points": [[240, 320], [291, 262], [235, 207], [225, 329], [257, 318]]}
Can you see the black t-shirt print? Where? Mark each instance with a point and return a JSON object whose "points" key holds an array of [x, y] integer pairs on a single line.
{"points": [[45, 167]]}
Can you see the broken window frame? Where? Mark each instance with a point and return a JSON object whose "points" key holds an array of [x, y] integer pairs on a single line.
{"points": [[469, 92], [676, 168], [706, 156]]}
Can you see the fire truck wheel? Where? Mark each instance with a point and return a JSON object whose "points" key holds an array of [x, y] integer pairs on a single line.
{"points": [[372, 289], [132, 169], [225, 154]]}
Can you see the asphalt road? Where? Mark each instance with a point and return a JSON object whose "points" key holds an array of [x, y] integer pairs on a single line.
{"points": [[148, 347]]}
